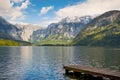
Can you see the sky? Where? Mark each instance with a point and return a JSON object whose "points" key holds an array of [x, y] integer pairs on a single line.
{"points": [[44, 12]]}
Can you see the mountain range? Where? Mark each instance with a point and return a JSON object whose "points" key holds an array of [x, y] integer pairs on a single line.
{"points": [[103, 30], [62, 32]]}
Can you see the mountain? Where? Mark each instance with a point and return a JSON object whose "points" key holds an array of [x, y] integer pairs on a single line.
{"points": [[4, 36], [7, 40], [62, 32], [18, 31], [9, 29], [38, 35], [103, 30], [9, 34]]}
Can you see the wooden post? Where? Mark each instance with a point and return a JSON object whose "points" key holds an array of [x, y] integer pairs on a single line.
{"points": [[66, 71], [77, 74], [99, 78]]}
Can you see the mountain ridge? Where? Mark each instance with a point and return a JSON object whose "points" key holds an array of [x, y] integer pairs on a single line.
{"points": [[62, 31], [102, 31], [9, 29], [9, 34]]}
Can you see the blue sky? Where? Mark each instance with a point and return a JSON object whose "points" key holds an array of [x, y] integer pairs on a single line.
{"points": [[37, 5], [45, 12]]}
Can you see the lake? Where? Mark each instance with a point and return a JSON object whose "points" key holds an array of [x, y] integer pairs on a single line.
{"points": [[46, 62]]}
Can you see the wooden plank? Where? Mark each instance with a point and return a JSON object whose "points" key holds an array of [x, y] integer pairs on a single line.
{"points": [[94, 71]]}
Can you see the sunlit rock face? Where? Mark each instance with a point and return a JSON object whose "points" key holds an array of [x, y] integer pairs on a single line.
{"points": [[27, 30], [68, 27]]}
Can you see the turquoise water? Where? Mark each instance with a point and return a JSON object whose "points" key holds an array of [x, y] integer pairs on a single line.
{"points": [[46, 62]]}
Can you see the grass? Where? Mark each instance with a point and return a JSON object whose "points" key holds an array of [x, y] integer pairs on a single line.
{"points": [[8, 43], [55, 42]]}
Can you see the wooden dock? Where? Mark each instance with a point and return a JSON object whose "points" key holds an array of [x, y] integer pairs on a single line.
{"points": [[112, 75]]}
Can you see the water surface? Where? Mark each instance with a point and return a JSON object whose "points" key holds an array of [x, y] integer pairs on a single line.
{"points": [[46, 63]]}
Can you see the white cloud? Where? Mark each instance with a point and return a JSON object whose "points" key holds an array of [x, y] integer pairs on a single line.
{"points": [[24, 5], [89, 7], [17, 22], [44, 10], [11, 11], [16, 1]]}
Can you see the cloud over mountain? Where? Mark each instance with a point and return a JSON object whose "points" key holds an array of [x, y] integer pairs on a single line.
{"points": [[34, 11], [88, 7]]}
